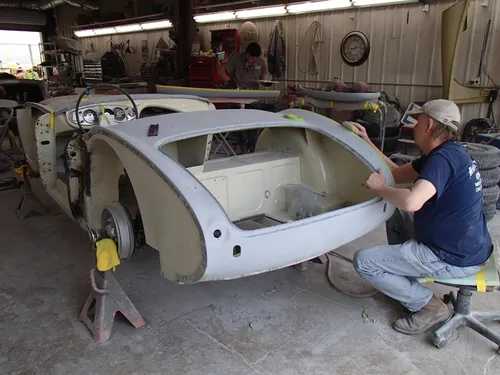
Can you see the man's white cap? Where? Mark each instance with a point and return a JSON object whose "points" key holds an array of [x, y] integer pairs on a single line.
{"points": [[444, 111]]}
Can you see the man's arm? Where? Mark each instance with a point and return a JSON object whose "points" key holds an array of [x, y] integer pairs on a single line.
{"points": [[221, 70], [403, 174], [264, 76], [222, 73], [228, 67], [410, 200]]}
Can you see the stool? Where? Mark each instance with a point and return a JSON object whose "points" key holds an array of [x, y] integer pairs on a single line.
{"points": [[486, 280]]}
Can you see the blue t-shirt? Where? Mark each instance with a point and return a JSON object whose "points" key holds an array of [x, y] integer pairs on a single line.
{"points": [[452, 223]]}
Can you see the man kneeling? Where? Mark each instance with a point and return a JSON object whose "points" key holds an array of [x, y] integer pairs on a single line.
{"points": [[438, 229]]}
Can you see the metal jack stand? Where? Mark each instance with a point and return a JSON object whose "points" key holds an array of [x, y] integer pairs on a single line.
{"points": [[29, 203], [106, 299]]}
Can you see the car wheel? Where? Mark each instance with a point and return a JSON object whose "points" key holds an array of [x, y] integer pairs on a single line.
{"points": [[486, 156], [116, 222], [490, 195], [474, 127], [490, 177]]}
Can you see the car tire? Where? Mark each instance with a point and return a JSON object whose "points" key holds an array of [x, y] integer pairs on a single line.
{"points": [[486, 156], [490, 177], [490, 195], [490, 211]]}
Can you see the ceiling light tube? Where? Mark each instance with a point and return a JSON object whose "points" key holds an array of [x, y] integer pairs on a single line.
{"points": [[360, 3], [261, 12], [310, 7], [164, 24], [84, 33], [104, 31], [214, 17], [128, 28]]}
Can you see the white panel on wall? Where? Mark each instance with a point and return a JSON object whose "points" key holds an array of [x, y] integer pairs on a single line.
{"points": [[405, 58]]}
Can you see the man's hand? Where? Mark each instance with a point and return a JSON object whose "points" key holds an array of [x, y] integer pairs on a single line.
{"points": [[361, 132], [375, 181], [231, 84]]}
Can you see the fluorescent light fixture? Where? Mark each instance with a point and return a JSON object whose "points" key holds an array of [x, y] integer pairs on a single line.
{"points": [[104, 31], [128, 28], [262, 12], [84, 33], [360, 3], [309, 6], [153, 25], [165, 24], [214, 17]]}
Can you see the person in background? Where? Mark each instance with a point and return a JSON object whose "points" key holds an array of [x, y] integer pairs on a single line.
{"points": [[244, 70], [32, 74], [439, 228]]}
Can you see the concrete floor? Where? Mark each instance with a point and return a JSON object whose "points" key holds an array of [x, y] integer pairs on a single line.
{"points": [[301, 325]]}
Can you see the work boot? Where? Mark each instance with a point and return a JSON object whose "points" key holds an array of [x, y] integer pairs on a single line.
{"points": [[433, 313]]}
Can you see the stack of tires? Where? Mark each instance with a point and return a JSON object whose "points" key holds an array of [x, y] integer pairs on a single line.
{"points": [[488, 161]]}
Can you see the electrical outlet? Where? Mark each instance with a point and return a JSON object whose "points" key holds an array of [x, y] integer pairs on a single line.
{"points": [[336, 78]]}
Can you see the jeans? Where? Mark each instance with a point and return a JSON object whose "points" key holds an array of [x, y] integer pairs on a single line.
{"points": [[393, 269]]}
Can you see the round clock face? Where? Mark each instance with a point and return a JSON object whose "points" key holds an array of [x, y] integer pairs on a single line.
{"points": [[355, 48]]}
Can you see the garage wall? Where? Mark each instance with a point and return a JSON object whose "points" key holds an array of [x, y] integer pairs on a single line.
{"points": [[395, 32], [134, 60]]}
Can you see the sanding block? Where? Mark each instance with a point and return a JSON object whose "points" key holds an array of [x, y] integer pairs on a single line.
{"points": [[349, 125]]}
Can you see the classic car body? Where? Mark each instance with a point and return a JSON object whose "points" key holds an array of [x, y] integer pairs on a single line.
{"points": [[297, 196]]}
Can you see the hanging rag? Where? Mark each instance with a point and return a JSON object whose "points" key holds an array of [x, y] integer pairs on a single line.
{"points": [[309, 62], [276, 59]]}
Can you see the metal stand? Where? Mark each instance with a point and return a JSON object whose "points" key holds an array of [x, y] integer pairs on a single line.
{"points": [[106, 299], [464, 316], [29, 203]]}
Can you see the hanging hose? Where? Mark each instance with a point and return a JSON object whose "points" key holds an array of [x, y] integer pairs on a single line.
{"points": [[329, 272]]}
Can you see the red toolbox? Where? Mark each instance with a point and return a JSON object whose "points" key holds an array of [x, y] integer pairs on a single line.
{"points": [[203, 72]]}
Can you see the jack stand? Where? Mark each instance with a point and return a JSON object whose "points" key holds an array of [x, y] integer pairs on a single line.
{"points": [[29, 203], [106, 299]]}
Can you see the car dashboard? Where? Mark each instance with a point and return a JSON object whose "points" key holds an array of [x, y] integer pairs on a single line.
{"points": [[112, 114]]}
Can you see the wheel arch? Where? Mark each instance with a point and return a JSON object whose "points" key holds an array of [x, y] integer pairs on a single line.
{"points": [[170, 226]]}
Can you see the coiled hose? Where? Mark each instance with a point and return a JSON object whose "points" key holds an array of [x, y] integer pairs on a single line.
{"points": [[329, 274]]}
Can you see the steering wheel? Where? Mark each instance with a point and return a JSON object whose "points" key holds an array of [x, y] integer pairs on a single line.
{"points": [[101, 108]]}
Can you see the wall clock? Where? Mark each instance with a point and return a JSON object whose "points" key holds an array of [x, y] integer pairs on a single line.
{"points": [[355, 48]]}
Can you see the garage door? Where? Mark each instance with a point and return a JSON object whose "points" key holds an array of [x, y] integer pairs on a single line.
{"points": [[15, 18]]}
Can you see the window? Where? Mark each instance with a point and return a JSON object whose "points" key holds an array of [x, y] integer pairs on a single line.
{"points": [[19, 49]]}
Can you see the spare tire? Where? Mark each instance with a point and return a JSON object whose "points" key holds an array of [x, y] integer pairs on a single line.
{"points": [[486, 156], [474, 127], [490, 195], [490, 211], [490, 177]]}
